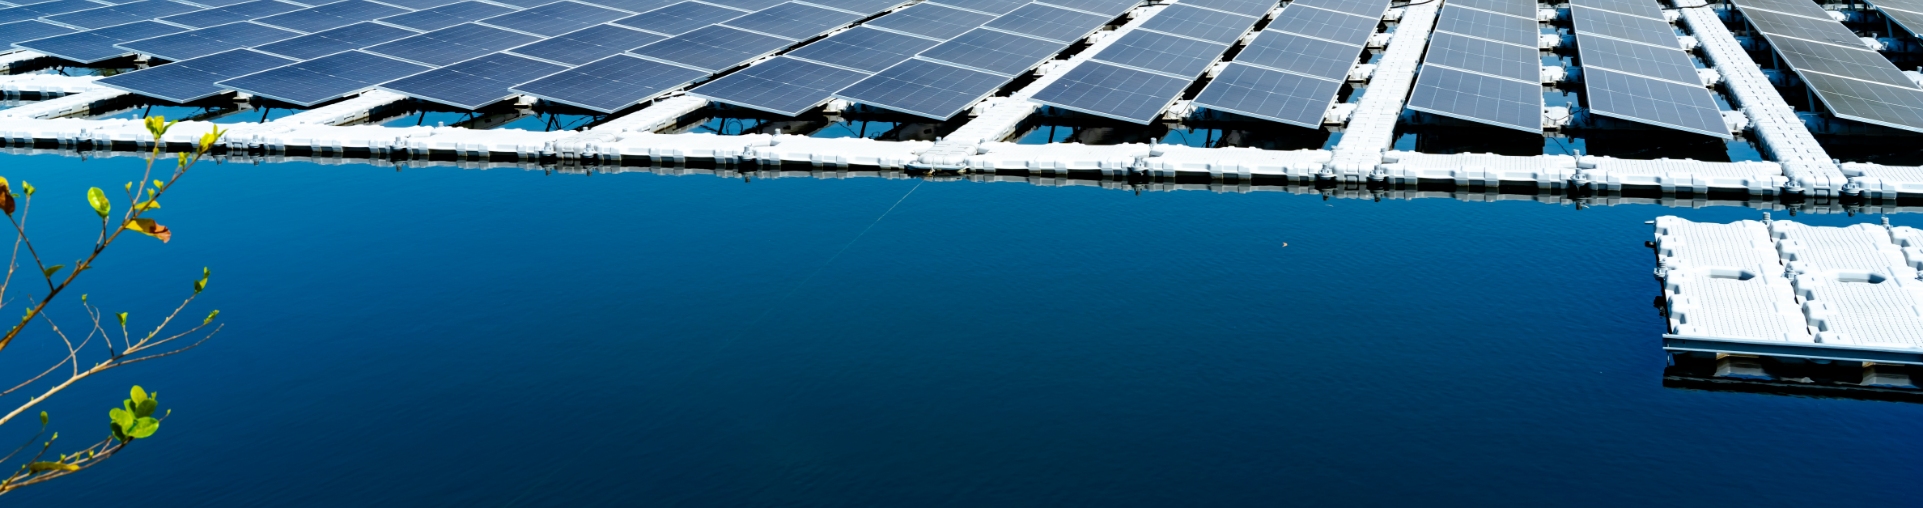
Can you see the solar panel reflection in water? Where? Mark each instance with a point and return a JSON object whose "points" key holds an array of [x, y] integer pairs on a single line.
{"points": [[1516, 8], [26, 12], [229, 14], [452, 44], [1862, 64], [193, 79], [1820, 30], [1653, 101], [1639, 8], [1487, 57], [589, 44], [324, 79], [334, 15], [634, 6], [1270, 95], [447, 15], [1328, 25], [1254, 8], [1301, 55], [350, 37], [923, 88], [1495, 27], [96, 45], [932, 20], [864, 49], [1110, 8], [1166, 54], [679, 18], [1052, 23], [610, 84], [1638, 59], [1623, 26], [207, 41], [991, 51], [21, 31], [556, 18], [784, 86], [793, 21], [1364, 8], [714, 48], [473, 84], [1475, 97], [1115, 92], [1889, 106], [107, 16], [1199, 23]]}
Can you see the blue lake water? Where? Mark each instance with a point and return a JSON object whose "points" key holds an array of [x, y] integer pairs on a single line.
{"points": [[435, 337]]}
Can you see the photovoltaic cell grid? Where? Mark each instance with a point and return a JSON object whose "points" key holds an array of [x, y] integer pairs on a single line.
{"points": [[1510, 101], [713, 49], [1906, 13], [334, 15], [991, 7], [446, 15], [863, 49], [324, 79], [1293, 70], [611, 84], [924, 88], [122, 14], [474, 83], [98, 44], [1851, 80], [1144, 71], [1198, 23], [207, 41], [934, 21], [588, 44], [194, 79], [555, 18], [793, 21], [784, 86], [347, 38], [1051, 23], [994, 52], [452, 44], [1645, 82], [22, 31], [232, 13], [1253, 8], [680, 18]]}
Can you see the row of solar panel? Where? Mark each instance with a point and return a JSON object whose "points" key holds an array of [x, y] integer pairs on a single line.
{"points": [[1145, 70], [1293, 70], [1482, 65], [1634, 70], [1906, 13], [1853, 81]]}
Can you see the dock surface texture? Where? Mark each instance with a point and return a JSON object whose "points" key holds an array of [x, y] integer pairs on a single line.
{"points": [[1798, 169]]}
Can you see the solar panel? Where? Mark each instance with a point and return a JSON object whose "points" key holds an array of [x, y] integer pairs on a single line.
{"points": [[26, 12], [996, 52], [679, 18], [1199, 23], [1517, 8], [1166, 54], [1804, 8], [237, 12], [1820, 30], [635, 6], [473, 84], [1906, 13], [1890, 106], [923, 88], [350, 37], [324, 79], [1862, 64], [97, 45], [555, 18], [746, 5], [1301, 55], [1052, 23], [610, 84], [411, 4], [22, 31], [122, 14], [1478, 98], [995, 7], [589, 44], [334, 15], [864, 49], [1486, 57], [1270, 95], [1623, 26], [793, 21], [1484, 25], [862, 7], [1110, 8], [193, 79], [1640, 8], [1115, 92], [1638, 59], [932, 20], [452, 44], [1640, 99], [1329, 25], [225, 3], [1365, 8], [521, 4], [783, 86], [447, 15], [207, 41], [714, 48], [1255, 8]]}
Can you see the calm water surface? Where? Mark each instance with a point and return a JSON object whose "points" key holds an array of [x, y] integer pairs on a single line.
{"points": [[435, 337]]}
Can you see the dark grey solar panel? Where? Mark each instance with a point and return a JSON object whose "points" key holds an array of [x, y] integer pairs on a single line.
{"points": [[991, 51], [784, 86], [1655, 102], [97, 45], [412, 4], [589, 44], [1486, 57], [229, 14], [794, 21], [1623, 26], [610, 84], [1517, 8], [225, 3], [1821, 30], [1270, 95], [1907, 14], [334, 15], [714, 48], [193, 79], [923, 88], [122, 14], [1906, 5], [1105, 90], [475, 83], [207, 41], [1642, 8], [863, 7], [1804, 8], [1478, 98], [679, 18], [522, 4], [1052, 23], [1333, 26], [932, 20], [1199, 23], [1255, 8], [26, 12], [324, 79], [747, 5], [1167, 54], [446, 15], [1638, 59], [1365, 8], [1110, 8], [635, 6], [452, 44], [864, 49], [347, 38], [1890, 106], [1862, 64], [556, 18], [996, 7], [1301, 55], [22, 31]]}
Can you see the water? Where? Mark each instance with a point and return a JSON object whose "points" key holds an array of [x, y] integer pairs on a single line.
{"points": [[511, 338]]}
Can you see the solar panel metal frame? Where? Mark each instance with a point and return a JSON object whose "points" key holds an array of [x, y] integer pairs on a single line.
{"points": [[794, 21], [347, 71], [99, 41], [212, 68], [714, 48], [864, 49], [914, 86], [931, 20], [554, 19], [1176, 57], [588, 44], [1112, 91], [631, 69], [994, 52], [238, 12], [1199, 23], [783, 86], [452, 44], [351, 37], [1653, 101], [447, 15], [1325, 24], [1048, 22], [1446, 82], [680, 18], [1287, 52], [1245, 90], [473, 84], [207, 41]]}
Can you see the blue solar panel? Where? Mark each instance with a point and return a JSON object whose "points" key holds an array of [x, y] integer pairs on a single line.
{"points": [[793, 21], [207, 41], [411, 4], [556, 18], [1243, 7], [453, 44], [334, 15], [932, 20], [324, 79], [473, 84], [1365, 8], [347, 38], [1052, 23], [635, 6], [714, 48], [589, 44], [446, 15], [1301, 55], [1331, 25], [611, 84], [679, 18], [193, 79], [1110, 8], [1475, 97], [1199, 23], [923, 88], [122, 14], [747, 5], [862, 7], [995, 7], [784, 86], [22, 31], [1293, 99], [97, 45], [523, 3], [1105, 90], [864, 49], [26, 12], [1167, 54], [996, 52], [229, 14]]}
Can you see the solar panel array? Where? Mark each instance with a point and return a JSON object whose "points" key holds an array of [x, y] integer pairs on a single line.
{"points": [[1626, 77], [1144, 71], [1483, 65], [1293, 70], [1906, 13], [1853, 81]]}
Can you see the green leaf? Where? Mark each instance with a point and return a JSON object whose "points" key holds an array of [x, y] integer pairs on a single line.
{"points": [[52, 270], [43, 466], [98, 198], [144, 427], [130, 186], [27, 187], [121, 418], [210, 317], [145, 408], [157, 184], [139, 394], [123, 319], [43, 418]]}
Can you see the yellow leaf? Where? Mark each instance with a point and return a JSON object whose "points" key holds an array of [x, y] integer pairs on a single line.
{"points": [[6, 197], [148, 227], [43, 466], [147, 205]]}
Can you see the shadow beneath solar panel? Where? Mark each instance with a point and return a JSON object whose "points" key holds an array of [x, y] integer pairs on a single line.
{"points": [[1207, 129], [220, 109], [539, 117], [855, 122]]}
